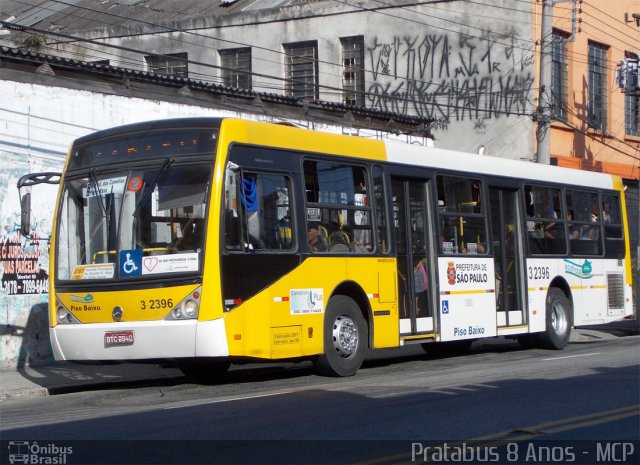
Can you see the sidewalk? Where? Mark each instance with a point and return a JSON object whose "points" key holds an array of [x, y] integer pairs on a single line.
{"points": [[72, 377], [65, 377]]}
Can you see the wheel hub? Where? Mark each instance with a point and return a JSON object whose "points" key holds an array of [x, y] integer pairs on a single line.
{"points": [[345, 336], [559, 319]]}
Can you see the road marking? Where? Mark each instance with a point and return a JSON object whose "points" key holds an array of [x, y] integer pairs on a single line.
{"points": [[567, 423], [570, 356], [523, 434], [196, 403]]}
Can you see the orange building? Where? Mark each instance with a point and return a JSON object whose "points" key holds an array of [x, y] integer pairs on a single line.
{"points": [[595, 125]]}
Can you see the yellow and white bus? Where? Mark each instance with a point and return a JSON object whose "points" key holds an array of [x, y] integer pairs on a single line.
{"points": [[209, 240]]}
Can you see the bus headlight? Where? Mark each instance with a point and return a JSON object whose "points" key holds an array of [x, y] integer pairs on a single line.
{"points": [[190, 309], [187, 308], [176, 313], [185, 311]]}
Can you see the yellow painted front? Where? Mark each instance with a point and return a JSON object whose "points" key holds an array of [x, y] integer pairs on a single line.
{"points": [[137, 305], [264, 326]]}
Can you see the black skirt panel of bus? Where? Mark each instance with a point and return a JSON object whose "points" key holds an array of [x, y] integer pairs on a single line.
{"points": [[246, 274]]}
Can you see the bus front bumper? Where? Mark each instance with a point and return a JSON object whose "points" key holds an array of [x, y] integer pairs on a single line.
{"points": [[139, 340]]}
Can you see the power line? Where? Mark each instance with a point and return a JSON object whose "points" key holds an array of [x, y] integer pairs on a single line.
{"points": [[337, 90], [440, 85]]}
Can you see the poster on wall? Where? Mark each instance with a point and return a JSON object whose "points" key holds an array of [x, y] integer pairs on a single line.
{"points": [[24, 261], [24, 265]]}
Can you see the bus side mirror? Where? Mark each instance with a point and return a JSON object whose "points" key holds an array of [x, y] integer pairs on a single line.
{"points": [[25, 214], [29, 180]]}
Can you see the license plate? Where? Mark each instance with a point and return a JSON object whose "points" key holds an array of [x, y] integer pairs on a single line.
{"points": [[118, 338]]}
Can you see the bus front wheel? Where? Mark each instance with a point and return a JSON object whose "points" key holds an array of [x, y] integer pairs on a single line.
{"points": [[558, 321], [345, 338]]}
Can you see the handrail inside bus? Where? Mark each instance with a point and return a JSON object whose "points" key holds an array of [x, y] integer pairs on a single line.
{"points": [[111, 252]]}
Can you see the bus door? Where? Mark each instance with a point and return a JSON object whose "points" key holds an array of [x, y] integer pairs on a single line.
{"points": [[507, 248], [413, 245]]}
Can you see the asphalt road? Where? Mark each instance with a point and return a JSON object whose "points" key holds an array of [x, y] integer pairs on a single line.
{"points": [[399, 402]]}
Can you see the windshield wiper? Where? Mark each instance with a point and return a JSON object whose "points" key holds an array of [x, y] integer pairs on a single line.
{"points": [[149, 188]]}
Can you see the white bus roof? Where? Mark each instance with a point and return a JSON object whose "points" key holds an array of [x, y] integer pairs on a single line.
{"points": [[483, 164]]}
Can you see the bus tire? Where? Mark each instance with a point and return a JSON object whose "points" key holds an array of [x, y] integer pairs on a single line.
{"points": [[345, 338], [559, 319], [203, 369]]}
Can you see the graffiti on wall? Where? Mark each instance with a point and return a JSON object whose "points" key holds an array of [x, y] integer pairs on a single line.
{"points": [[451, 76]]}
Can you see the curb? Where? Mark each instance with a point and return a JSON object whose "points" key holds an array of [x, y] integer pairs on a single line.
{"points": [[16, 394]]}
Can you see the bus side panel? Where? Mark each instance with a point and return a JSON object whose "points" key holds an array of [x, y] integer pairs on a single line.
{"points": [[286, 319], [539, 274], [467, 297], [377, 277], [591, 306]]}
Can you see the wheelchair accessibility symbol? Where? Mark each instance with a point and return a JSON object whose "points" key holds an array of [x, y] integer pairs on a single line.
{"points": [[445, 307], [130, 262]]}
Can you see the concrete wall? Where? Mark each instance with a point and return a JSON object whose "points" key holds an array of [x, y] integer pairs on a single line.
{"points": [[469, 66]]}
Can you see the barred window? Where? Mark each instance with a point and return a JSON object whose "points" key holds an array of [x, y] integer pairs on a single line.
{"points": [[236, 67], [559, 76], [598, 86], [353, 70], [175, 64], [301, 70], [632, 114]]}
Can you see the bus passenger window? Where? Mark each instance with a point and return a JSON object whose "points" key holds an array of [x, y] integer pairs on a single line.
{"points": [[583, 222], [341, 205], [545, 221], [612, 217], [462, 219], [257, 212]]}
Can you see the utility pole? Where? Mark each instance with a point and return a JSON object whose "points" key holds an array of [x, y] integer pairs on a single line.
{"points": [[543, 135]]}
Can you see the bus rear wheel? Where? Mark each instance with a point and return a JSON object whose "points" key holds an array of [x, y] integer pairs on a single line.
{"points": [[345, 338], [204, 370], [558, 321]]}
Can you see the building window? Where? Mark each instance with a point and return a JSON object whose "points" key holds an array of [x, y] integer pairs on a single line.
{"points": [[632, 114], [598, 86], [353, 70], [175, 64], [559, 76], [301, 70], [236, 67]]}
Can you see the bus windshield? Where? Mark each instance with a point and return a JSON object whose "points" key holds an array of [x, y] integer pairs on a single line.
{"points": [[133, 223]]}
